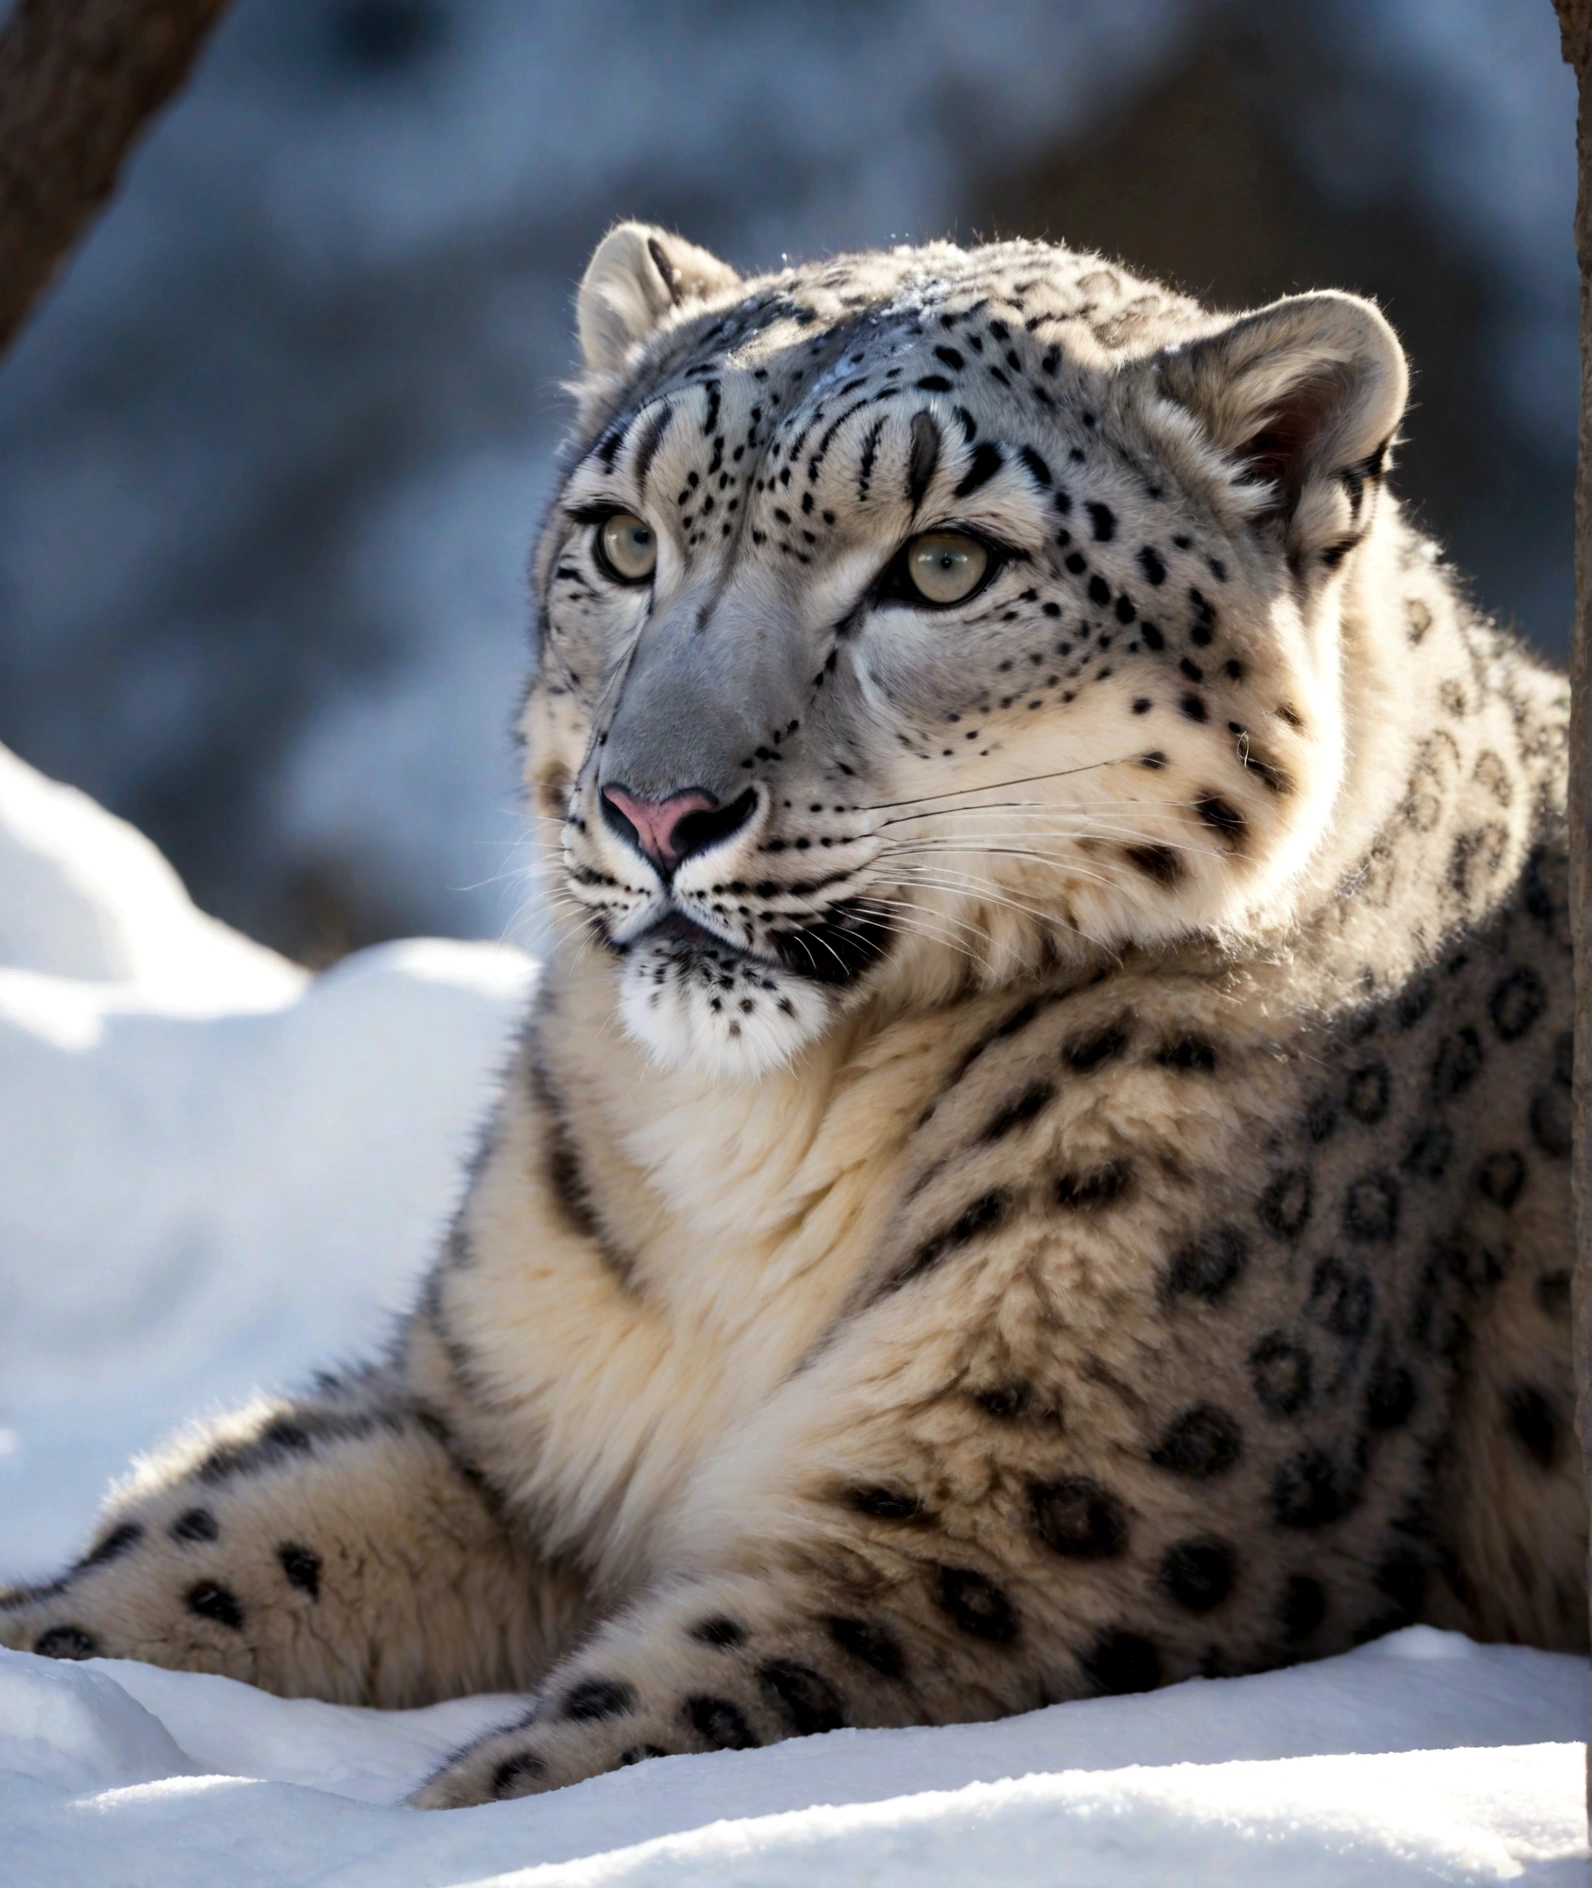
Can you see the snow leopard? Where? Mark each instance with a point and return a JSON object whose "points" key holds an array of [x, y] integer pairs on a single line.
{"points": [[1039, 1162]]}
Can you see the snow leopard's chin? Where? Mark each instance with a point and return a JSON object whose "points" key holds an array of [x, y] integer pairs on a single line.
{"points": [[718, 1012]]}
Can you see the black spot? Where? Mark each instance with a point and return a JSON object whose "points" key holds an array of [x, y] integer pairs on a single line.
{"points": [[1429, 1151], [1371, 1208], [1366, 1097], [986, 1211], [985, 463], [209, 1599], [1307, 1491], [596, 1698], [951, 358], [1198, 1574], [1517, 1003], [1083, 1192], [1160, 864], [195, 1524], [1535, 1423], [1321, 1120], [1189, 1055], [526, 1767], [1302, 1607], [1102, 520], [1389, 1395], [923, 457], [719, 1631], [1207, 1267], [1120, 1662], [1341, 1299], [1401, 1577], [1077, 1517], [719, 1723], [870, 1645], [1280, 1373], [301, 1567], [933, 383], [1414, 1000], [282, 1437], [1034, 1099], [1553, 1295], [1501, 1178], [121, 1539], [1036, 465], [1152, 566], [1564, 1059], [1433, 1323], [977, 1605], [1153, 639], [1284, 1207], [1099, 591], [640, 1753], [1458, 1062], [1006, 1401], [1193, 706], [1088, 1053], [811, 1703], [66, 1642], [1222, 817], [886, 1504], [1204, 1441], [1551, 1123]]}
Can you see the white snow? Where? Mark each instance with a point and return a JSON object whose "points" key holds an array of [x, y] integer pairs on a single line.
{"points": [[215, 1171]]}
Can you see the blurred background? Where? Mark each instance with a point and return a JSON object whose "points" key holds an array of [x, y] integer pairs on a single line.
{"points": [[275, 448]]}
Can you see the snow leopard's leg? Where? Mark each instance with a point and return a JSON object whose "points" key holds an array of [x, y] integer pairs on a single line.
{"points": [[1059, 1453], [338, 1546]]}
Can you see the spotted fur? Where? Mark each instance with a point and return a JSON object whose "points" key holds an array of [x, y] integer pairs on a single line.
{"points": [[1063, 1185]]}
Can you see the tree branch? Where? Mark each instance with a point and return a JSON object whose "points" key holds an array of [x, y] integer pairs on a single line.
{"points": [[79, 80]]}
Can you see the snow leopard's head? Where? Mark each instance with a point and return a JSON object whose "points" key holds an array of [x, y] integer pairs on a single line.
{"points": [[916, 619]]}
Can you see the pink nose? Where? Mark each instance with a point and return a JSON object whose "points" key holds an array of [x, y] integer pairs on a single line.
{"points": [[654, 825]]}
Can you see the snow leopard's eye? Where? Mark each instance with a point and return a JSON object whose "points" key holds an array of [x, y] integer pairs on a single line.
{"points": [[626, 547], [946, 566]]}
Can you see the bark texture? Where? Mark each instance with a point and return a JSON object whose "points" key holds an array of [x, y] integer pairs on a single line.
{"points": [[1575, 30], [79, 80]]}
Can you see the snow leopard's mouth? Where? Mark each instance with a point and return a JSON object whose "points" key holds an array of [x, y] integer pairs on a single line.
{"points": [[834, 948]]}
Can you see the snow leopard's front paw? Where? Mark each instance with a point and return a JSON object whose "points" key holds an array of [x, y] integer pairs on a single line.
{"points": [[718, 1665], [545, 1749], [136, 1594]]}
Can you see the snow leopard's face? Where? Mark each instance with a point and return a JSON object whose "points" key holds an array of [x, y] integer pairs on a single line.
{"points": [[896, 634]]}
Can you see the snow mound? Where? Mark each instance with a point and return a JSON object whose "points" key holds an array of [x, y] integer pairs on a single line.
{"points": [[1422, 1758], [218, 1172], [86, 896], [75, 1730]]}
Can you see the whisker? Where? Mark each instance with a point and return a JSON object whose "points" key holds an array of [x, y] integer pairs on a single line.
{"points": [[978, 889], [920, 922], [983, 888], [921, 846], [1043, 806], [996, 786]]}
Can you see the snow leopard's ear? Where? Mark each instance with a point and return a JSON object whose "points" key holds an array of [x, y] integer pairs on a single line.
{"points": [[637, 276], [1303, 398]]}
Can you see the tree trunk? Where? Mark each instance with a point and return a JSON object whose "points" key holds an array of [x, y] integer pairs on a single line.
{"points": [[79, 79], [1575, 30]]}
